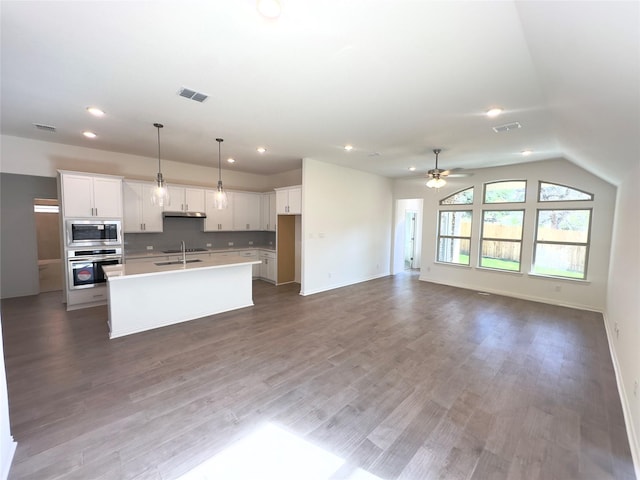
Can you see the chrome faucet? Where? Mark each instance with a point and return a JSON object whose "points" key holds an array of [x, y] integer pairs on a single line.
{"points": [[183, 249]]}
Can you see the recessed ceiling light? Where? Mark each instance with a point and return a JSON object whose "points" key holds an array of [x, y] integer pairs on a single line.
{"points": [[348, 148], [95, 111], [526, 153], [494, 112], [269, 8], [412, 169], [261, 149], [231, 160], [89, 134]]}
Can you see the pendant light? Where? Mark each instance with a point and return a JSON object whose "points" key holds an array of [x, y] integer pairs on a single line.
{"points": [[160, 194], [220, 200]]}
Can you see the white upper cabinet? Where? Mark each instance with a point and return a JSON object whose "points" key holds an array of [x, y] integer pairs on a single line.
{"points": [[185, 199], [140, 214], [289, 200], [268, 211], [246, 211], [218, 219], [87, 196]]}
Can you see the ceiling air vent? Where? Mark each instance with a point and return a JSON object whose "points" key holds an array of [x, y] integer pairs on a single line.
{"points": [[46, 128], [193, 95], [507, 128]]}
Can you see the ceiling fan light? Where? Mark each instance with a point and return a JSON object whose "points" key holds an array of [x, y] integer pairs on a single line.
{"points": [[494, 112], [436, 182]]}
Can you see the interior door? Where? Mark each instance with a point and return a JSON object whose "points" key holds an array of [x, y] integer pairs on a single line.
{"points": [[410, 239]]}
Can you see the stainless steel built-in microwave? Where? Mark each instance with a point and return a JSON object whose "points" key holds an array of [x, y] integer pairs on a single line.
{"points": [[83, 233]]}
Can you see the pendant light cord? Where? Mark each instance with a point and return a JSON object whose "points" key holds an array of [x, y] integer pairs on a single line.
{"points": [[219, 140], [158, 126]]}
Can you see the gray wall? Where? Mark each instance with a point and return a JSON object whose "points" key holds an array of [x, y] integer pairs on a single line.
{"points": [[18, 242]]}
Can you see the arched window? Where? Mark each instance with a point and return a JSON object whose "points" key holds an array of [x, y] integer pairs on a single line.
{"points": [[463, 197]]}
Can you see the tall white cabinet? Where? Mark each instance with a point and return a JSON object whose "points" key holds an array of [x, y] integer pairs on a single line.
{"points": [[140, 214], [91, 196]]}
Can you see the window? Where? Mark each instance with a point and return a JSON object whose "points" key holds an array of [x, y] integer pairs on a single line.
{"points": [[463, 197], [501, 239], [562, 243], [553, 192], [454, 237], [512, 191]]}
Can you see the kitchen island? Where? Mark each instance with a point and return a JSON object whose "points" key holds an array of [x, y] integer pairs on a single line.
{"points": [[144, 296]]}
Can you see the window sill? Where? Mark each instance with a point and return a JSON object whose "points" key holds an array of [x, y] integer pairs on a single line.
{"points": [[497, 270], [562, 279], [459, 265]]}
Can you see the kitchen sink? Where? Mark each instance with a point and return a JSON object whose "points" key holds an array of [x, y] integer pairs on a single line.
{"points": [[177, 262]]}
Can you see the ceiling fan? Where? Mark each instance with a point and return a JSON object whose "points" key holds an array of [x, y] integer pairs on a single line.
{"points": [[437, 176]]}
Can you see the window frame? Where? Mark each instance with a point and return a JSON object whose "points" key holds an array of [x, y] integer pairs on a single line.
{"points": [[539, 200], [484, 192], [453, 237], [493, 239], [586, 244], [472, 188]]}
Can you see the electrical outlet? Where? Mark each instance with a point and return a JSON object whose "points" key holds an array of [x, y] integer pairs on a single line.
{"points": [[635, 388], [250, 242], [149, 247], [231, 244], [208, 244]]}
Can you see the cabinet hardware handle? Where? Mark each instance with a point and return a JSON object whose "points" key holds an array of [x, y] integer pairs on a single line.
{"points": [[187, 207], [96, 211]]}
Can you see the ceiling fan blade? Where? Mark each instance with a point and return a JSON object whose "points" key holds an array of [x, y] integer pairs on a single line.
{"points": [[459, 175]]}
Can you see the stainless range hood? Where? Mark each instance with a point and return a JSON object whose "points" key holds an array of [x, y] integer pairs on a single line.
{"points": [[184, 214]]}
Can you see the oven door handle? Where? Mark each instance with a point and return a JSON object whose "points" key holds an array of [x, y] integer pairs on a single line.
{"points": [[93, 259]]}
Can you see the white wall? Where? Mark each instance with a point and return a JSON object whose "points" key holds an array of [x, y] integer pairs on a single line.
{"points": [[623, 304], [7, 445], [590, 294], [346, 226], [42, 159]]}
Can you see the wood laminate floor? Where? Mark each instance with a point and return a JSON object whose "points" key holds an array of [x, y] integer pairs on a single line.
{"points": [[400, 379]]}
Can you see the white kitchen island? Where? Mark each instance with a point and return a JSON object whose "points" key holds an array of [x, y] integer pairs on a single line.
{"points": [[144, 296]]}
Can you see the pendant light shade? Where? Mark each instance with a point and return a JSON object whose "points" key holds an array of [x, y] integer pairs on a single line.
{"points": [[160, 195], [220, 200]]}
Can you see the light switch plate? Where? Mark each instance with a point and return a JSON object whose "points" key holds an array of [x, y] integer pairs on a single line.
{"points": [[231, 244], [208, 244], [149, 247]]}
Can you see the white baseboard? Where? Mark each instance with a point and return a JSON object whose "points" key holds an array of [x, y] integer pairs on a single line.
{"points": [[634, 443], [340, 285], [8, 457]]}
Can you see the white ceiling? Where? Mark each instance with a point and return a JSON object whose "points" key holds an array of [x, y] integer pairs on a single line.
{"points": [[394, 78]]}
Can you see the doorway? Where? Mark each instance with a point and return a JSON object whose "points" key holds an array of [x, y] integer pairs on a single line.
{"points": [[407, 235], [47, 218]]}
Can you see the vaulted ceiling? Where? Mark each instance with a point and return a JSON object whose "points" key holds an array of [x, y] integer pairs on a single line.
{"points": [[395, 79]]}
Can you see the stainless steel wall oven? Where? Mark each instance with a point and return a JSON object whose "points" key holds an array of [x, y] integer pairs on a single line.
{"points": [[85, 266]]}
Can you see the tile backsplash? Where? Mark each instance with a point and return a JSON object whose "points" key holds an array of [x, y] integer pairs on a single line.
{"points": [[190, 230]]}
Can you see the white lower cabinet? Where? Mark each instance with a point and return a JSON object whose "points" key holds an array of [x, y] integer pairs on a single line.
{"points": [[251, 255], [268, 266]]}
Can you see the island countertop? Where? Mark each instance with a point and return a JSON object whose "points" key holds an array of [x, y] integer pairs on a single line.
{"points": [[115, 272]]}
